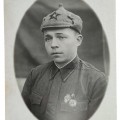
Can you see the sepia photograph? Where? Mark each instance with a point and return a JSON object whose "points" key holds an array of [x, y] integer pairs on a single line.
{"points": [[60, 60]]}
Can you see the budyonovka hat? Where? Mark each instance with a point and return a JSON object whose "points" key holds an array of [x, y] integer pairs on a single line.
{"points": [[62, 18]]}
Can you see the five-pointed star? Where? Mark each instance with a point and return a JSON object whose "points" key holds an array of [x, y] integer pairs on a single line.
{"points": [[54, 15]]}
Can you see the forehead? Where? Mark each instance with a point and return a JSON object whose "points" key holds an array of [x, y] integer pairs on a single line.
{"points": [[64, 31]]}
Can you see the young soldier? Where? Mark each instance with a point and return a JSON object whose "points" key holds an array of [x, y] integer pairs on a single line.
{"points": [[66, 88]]}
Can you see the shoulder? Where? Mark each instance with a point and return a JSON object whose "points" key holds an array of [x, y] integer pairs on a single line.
{"points": [[40, 69], [35, 75], [92, 79], [91, 71]]}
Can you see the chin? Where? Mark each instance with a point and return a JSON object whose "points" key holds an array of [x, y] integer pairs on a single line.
{"points": [[59, 60]]}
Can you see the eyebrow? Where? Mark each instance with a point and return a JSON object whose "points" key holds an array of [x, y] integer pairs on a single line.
{"points": [[59, 33], [47, 35]]}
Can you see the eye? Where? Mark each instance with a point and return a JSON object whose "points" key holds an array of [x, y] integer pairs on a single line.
{"points": [[47, 39], [61, 37]]}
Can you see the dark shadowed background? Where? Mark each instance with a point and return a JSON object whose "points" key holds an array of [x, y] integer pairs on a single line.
{"points": [[29, 48]]}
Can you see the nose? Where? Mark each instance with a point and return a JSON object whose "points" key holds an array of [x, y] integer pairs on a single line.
{"points": [[54, 44]]}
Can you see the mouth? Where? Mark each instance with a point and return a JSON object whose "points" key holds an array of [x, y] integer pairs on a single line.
{"points": [[56, 53]]}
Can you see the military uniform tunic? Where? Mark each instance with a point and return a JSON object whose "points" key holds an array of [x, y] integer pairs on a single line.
{"points": [[73, 92]]}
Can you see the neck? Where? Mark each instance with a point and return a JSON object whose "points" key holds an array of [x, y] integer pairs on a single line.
{"points": [[59, 65]]}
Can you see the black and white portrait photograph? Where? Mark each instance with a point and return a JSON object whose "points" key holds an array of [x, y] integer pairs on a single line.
{"points": [[60, 60]]}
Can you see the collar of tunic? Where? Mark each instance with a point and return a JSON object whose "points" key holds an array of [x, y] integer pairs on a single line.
{"points": [[67, 70]]}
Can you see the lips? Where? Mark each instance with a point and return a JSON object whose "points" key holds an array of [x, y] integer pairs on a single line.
{"points": [[56, 53]]}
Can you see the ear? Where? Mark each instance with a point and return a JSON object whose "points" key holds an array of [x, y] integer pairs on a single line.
{"points": [[79, 39]]}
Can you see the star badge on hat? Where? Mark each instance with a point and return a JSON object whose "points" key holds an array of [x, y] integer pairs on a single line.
{"points": [[54, 16]]}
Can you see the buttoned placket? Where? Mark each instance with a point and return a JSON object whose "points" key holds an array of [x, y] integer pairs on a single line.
{"points": [[59, 76]]}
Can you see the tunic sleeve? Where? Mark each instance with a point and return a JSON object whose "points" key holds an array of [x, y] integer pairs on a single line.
{"points": [[27, 89], [98, 91], [35, 74]]}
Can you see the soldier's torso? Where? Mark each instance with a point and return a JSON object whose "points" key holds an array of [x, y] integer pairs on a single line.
{"points": [[59, 96]]}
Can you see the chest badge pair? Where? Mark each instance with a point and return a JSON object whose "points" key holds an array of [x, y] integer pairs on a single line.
{"points": [[70, 99]]}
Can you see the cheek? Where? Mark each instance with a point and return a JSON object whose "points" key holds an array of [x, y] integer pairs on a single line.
{"points": [[69, 48], [47, 47], [70, 45]]}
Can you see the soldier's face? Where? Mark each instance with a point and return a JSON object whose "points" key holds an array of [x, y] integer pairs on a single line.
{"points": [[61, 44]]}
